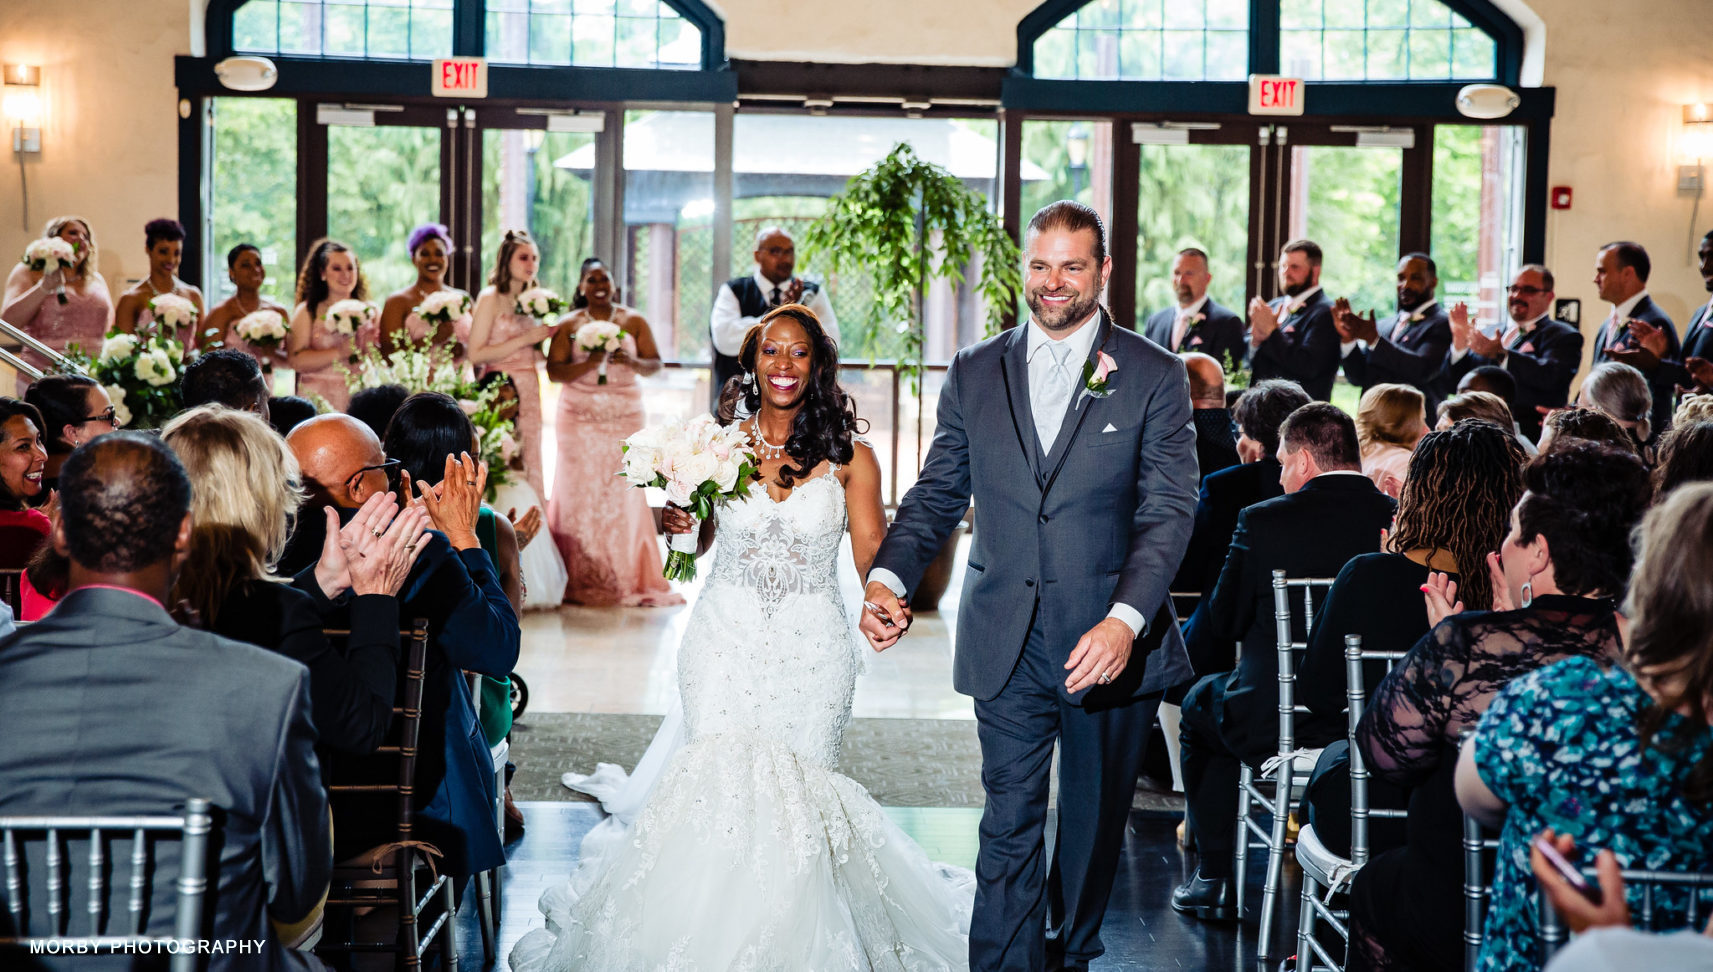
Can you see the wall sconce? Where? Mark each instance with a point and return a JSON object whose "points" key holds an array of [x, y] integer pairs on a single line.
{"points": [[1697, 144], [22, 106]]}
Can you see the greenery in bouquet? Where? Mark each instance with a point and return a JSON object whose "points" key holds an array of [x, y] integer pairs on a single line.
{"points": [[140, 373], [422, 366], [1236, 375]]}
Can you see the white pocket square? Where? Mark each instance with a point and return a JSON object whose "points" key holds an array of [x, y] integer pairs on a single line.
{"points": [[1109, 428]]}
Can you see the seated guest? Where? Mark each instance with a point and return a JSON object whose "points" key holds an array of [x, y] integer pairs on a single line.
{"points": [[1390, 420], [1216, 442], [1490, 379], [243, 501], [1621, 392], [1330, 513], [1580, 424], [1694, 408], [1224, 494], [23, 529], [1454, 510], [1540, 353], [1566, 557], [1605, 941], [1198, 323], [75, 409], [287, 412], [175, 713], [1486, 406], [1685, 456], [471, 624], [1611, 752], [374, 407], [225, 377]]}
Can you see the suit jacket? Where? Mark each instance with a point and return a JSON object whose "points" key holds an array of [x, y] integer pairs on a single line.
{"points": [[1310, 533], [1661, 380], [1222, 333], [1216, 441], [1697, 343], [109, 706], [1304, 349], [1224, 494], [1414, 357], [1543, 362], [1101, 519], [471, 627]]}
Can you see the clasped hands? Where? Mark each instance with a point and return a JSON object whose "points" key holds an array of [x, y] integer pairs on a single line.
{"points": [[1099, 657], [1440, 592], [1353, 326], [373, 554]]}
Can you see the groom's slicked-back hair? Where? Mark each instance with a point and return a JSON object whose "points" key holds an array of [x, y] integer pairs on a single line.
{"points": [[122, 498], [1071, 217]]}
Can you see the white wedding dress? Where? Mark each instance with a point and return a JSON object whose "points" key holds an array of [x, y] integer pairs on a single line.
{"points": [[748, 851]]}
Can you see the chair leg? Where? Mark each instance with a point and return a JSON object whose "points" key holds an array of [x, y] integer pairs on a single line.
{"points": [[485, 915], [1305, 925], [449, 931], [1275, 860], [1240, 850]]}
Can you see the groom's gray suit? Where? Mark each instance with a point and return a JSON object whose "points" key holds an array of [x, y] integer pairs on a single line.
{"points": [[1061, 537]]}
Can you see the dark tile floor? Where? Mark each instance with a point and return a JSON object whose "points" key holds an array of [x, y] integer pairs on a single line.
{"points": [[1142, 932]]}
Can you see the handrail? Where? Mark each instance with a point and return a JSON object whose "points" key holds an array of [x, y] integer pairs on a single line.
{"points": [[60, 360]]}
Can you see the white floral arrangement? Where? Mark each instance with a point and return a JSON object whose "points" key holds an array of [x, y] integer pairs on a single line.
{"points": [[140, 374], [540, 303], [50, 253], [348, 316], [600, 336], [443, 307], [121, 411], [172, 312], [264, 329], [701, 465]]}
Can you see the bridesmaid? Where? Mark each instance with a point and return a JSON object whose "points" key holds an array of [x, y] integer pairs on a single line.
{"points": [[431, 251], [504, 341], [244, 268], [30, 302], [603, 526], [315, 352], [164, 241]]}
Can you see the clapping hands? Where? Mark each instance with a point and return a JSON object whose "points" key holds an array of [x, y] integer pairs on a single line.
{"points": [[1263, 321], [374, 552], [1353, 326], [526, 526], [455, 503]]}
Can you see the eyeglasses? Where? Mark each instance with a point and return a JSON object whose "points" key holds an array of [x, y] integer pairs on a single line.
{"points": [[1525, 291], [383, 466], [110, 415]]}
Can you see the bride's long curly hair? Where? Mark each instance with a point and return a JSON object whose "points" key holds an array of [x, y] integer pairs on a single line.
{"points": [[827, 424]]}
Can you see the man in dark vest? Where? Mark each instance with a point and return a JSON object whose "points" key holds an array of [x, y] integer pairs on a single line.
{"points": [[742, 301]]}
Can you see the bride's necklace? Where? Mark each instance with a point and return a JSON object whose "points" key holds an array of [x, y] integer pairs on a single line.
{"points": [[765, 450]]}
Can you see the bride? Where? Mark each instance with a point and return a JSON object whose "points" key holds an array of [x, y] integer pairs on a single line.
{"points": [[749, 852]]}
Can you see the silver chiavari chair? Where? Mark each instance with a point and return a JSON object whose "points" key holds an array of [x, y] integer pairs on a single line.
{"points": [[1554, 934]]}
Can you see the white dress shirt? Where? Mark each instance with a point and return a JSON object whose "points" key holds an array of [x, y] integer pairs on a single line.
{"points": [[1078, 344], [729, 324]]}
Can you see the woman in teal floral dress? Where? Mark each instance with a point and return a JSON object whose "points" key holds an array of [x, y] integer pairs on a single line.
{"points": [[1617, 756]]}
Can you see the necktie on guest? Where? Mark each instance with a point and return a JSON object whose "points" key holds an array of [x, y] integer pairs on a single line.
{"points": [[773, 298], [1511, 334], [1179, 328], [1051, 391]]}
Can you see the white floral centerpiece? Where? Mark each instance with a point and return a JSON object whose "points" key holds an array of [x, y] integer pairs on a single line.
{"points": [[600, 336], [140, 374], [701, 465], [51, 253]]}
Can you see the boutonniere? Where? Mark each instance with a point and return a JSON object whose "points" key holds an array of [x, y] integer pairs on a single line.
{"points": [[1195, 340], [1097, 376], [1290, 329], [1417, 317], [1195, 319], [1527, 348]]}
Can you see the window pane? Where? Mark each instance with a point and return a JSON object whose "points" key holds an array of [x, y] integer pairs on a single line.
{"points": [[1139, 54], [1388, 13], [1228, 14], [1295, 14], [1184, 55], [1344, 54], [255, 26], [636, 42], [1143, 15], [382, 182], [1055, 54], [541, 182], [253, 179], [389, 31], [1098, 14], [1430, 54], [1474, 55], [549, 39], [1300, 53], [1227, 55], [345, 28], [344, 31], [1369, 40], [1387, 54], [1146, 40], [1097, 54], [1349, 205], [1477, 192]]}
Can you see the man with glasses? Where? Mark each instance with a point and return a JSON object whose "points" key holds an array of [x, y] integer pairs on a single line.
{"points": [[1541, 353], [742, 301]]}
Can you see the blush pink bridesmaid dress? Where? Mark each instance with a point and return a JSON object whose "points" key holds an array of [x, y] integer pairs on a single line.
{"points": [[523, 366], [82, 320]]}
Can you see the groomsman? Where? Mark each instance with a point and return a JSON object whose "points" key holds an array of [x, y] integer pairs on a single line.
{"points": [[1294, 336], [1621, 274], [742, 301], [1410, 348], [1199, 323], [1540, 353], [1692, 368]]}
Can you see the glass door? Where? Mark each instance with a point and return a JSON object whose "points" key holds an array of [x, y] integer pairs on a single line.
{"points": [[1346, 199], [388, 171], [1193, 192]]}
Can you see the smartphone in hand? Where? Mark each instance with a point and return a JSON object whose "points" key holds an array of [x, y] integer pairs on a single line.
{"points": [[1570, 872]]}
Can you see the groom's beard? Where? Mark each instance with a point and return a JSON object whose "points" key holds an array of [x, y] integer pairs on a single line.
{"points": [[1065, 316]]}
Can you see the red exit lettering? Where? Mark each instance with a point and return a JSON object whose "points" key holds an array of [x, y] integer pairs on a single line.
{"points": [[458, 77], [1278, 94]]}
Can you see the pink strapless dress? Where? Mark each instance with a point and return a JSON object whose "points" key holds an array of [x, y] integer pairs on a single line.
{"points": [[329, 382], [83, 319], [524, 366], [603, 526]]}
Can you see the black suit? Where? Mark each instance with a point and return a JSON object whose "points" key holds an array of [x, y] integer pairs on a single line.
{"points": [[1660, 380], [1222, 333], [1414, 355], [1543, 362], [1697, 343], [1304, 349], [1224, 495], [1234, 715], [1216, 441]]}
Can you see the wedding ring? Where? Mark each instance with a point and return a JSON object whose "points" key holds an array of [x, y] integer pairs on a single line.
{"points": [[472, 482], [376, 532], [1105, 678]]}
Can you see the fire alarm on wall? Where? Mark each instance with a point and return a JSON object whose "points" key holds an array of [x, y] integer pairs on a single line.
{"points": [[1561, 197]]}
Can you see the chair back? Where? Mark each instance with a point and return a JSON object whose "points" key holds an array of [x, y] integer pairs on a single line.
{"points": [[1288, 648], [401, 744], [12, 590], [1355, 693], [110, 928], [1480, 848], [1553, 933]]}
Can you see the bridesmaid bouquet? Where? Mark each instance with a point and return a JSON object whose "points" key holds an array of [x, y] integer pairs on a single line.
{"points": [[348, 316], [443, 307], [172, 312], [701, 465], [600, 336], [51, 253], [264, 329], [540, 303]]}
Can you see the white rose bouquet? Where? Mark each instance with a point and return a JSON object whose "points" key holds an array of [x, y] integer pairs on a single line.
{"points": [[348, 316], [701, 465], [264, 329], [51, 253], [140, 374], [121, 411], [600, 336], [443, 307], [540, 303], [172, 312]]}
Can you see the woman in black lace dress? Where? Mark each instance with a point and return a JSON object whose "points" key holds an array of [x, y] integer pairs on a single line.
{"points": [[1554, 580]]}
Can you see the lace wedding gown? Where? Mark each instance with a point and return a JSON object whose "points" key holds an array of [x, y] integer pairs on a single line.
{"points": [[750, 852]]}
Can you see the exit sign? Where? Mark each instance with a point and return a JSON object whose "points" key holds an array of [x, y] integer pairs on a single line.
{"points": [[1271, 94], [461, 77]]}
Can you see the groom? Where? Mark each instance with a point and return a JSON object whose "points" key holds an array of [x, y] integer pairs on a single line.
{"points": [[1084, 497]]}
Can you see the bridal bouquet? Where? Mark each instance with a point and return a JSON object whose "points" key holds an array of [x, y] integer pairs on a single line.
{"points": [[443, 307], [701, 465], [51, 253], [600, 336], [172, 312], [540, 303], [264, 329], [348, 316]]}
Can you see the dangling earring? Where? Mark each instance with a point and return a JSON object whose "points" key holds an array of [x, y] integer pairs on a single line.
{"points": [[749, 383], [1528, 592]]}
